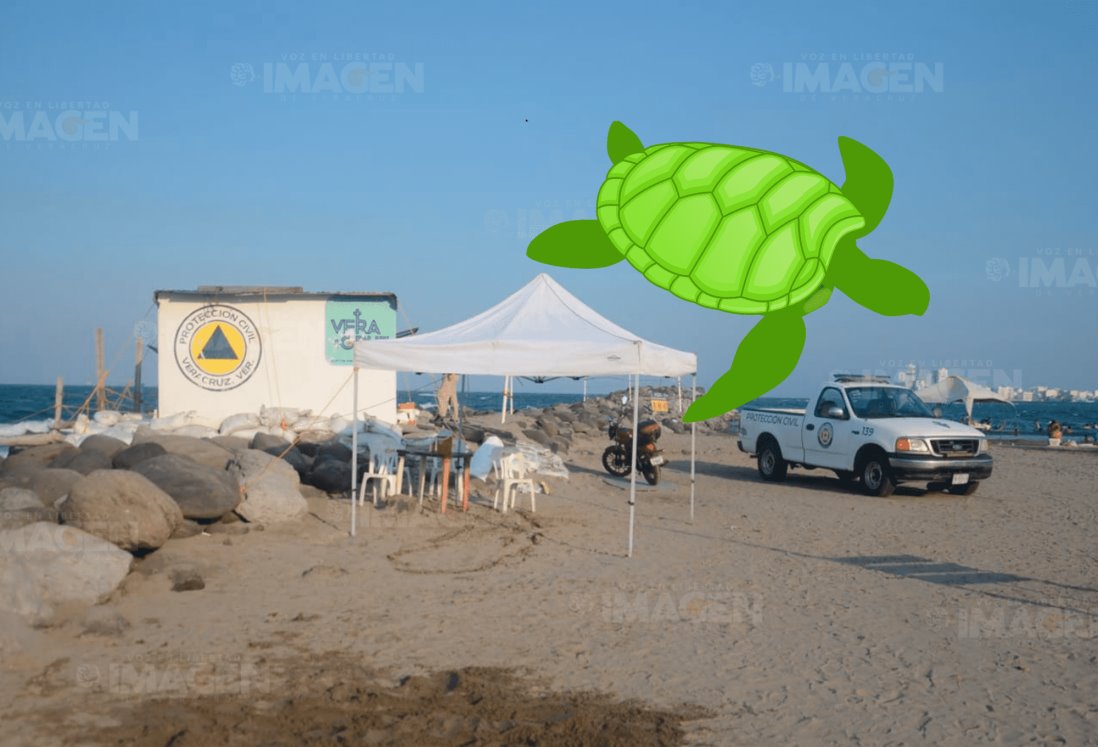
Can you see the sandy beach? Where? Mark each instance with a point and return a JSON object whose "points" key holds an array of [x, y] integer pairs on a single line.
{"points": [[795, 613]]}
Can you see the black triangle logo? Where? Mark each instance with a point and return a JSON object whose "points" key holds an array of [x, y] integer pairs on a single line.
{"points": [[217, 348]]}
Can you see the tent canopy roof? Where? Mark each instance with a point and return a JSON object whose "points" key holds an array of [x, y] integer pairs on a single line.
{"points": [[959, 389], [540, 330]]}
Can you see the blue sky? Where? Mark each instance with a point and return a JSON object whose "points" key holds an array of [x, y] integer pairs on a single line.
{"points": [[434, 191]]}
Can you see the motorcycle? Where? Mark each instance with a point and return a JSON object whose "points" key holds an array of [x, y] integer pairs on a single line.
{"points": [[617, 457]]}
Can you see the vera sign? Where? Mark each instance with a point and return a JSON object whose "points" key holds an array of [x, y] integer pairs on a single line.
{"points": [[350, 320]]}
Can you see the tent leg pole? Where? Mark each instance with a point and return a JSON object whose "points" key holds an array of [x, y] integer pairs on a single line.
{"points": [[506, 387], [633, 472], [354, 452], [693, 443]]}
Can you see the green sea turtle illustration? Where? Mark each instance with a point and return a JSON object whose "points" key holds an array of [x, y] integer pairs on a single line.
{"points": [[745, 231]]}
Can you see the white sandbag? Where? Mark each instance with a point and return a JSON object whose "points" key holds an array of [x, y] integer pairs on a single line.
{"points": [[107, 417], [240, 421], [75, 439], [248, 433], [278, 415], [195, 431], [312, 423], [132, 417], [123, 431], [481, 464], [81, 424], [338, 424], [172, 422], [211, 423], [373, 425]]}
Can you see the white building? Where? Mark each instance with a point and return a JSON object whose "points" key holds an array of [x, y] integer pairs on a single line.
{"points": [[907, 377], [227, 350]]}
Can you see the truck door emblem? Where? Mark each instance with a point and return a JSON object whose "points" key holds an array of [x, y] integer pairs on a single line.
{"points": [[825, 435]]}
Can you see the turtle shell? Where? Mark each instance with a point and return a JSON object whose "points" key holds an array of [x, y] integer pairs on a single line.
{"points": [[737, 229]]}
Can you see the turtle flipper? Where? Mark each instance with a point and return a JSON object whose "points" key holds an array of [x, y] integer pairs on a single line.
{"points": [[767, 355], [877, 284], [576, 243], [868, 182], [621, 142]]}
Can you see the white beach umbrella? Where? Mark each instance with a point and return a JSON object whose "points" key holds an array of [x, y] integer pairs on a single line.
{"points": [[959, 389]]}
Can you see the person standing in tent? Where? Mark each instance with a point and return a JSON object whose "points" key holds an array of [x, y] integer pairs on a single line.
{"points": [[447, 395]]}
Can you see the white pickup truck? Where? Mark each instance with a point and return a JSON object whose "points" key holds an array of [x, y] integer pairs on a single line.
{"points": [[867, 429]]}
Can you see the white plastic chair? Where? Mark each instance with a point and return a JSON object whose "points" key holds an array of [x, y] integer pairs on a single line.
{"points": [[381, 442], [511, 473], [382, 471]]}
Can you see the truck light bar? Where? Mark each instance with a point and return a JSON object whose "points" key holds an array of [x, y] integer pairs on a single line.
{"points": [[844, 378]]}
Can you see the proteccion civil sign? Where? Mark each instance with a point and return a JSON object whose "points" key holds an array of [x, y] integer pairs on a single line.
{"points": [[217, 347]]}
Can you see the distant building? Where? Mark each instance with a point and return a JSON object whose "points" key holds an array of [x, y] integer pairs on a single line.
{"points": [[907, 377], [227, 350], [940, 374], [1027, 397]]}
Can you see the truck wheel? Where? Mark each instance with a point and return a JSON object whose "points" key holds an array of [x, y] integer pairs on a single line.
{"points": [[771, 465], [966, 489], [877, 476]]}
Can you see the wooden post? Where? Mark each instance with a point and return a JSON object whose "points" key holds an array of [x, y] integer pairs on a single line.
{"points": [[138, 357], [58, 397], [100, 385]]}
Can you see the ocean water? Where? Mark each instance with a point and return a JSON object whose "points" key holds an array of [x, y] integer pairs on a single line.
{"points": [[1008, 422], [20, 403], [35, 403]]}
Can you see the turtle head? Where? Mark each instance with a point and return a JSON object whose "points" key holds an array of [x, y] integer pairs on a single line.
{"points": [[621, 142]]}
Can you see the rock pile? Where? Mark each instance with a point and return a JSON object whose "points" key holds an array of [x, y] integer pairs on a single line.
{"points": [[555, 427], [72, 519]]}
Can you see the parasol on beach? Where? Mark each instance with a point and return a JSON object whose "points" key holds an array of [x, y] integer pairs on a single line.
{"points": [[959, 389]]}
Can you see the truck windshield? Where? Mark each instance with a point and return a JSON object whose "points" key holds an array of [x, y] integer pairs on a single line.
{"points": [[886, 402]]}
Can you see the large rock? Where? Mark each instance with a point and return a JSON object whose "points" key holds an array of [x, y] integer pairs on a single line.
{"points": [[270, 488], [84, 462], [47, 570], [301, 463], [124, 508], [559, 444], [231, 443], [103, 444], [201, 492], [19, 507], [330, 476], [35, 457], [128, 458], [198, 449], [333, 450], [550, 425], [537, 436], [266, 442], [51, 485]]}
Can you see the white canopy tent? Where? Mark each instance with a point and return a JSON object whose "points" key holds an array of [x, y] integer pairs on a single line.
{"points": [[959, 389], [540, 330]]}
